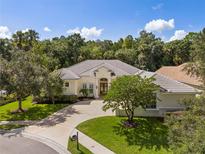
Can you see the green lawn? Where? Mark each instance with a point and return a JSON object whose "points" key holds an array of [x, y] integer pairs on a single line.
{"points": [[149, 137], [34, 111], [72, 147], [9, 127]]}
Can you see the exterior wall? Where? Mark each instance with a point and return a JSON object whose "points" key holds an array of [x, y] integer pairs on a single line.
{"points": [[72, 89], [76, 85], [168, 102], [87, 80]]}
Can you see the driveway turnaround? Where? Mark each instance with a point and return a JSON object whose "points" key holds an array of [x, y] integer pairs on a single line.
{"points": [[21, 145], [60, 125]]}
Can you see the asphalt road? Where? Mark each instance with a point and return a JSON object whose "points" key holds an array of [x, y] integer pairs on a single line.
{"points": [[21, 145]]}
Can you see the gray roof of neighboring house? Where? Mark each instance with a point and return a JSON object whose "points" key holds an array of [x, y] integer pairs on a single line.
{"points": [[87, 67], [168, 84]]}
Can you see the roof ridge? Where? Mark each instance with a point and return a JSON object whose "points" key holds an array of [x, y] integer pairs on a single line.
{"points": [[91, 68], [118, 68], [76, 64], [128, 65]]}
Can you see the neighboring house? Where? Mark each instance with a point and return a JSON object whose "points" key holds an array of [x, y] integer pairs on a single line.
{"points": [[178, 73], [97, 75]]}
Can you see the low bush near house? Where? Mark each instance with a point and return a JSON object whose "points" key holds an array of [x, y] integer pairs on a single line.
{"points": [[61, 99]]}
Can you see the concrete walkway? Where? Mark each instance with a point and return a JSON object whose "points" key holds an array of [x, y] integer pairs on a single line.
{"points": [[91, 144], [25, 122], [60, 125]]}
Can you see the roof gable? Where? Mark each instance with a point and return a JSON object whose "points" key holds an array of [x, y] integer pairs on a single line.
{"points": [[85, 67], [116, 70]]}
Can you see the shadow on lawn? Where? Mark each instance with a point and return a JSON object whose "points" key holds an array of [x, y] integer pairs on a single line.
{"points": [[44, 112], [35, 113], [150, 133]]}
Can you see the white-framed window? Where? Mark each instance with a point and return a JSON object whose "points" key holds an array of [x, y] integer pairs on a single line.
{"points": [[84, 86], [90, 86], [66, 84], [151, 106]]}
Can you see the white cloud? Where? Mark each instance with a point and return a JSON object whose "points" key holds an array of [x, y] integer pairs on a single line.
{"points": [[4, 32], [159, 25], [178, 35], [25, 30], [158, 6], [46, 29], [75, 30], [88, 33]]}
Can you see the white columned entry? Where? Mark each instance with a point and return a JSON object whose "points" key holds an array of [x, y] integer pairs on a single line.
{"points": [[96, 88]]}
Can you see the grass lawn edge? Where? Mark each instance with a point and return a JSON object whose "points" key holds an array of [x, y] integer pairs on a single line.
{"points": [[94, 127], [72, 147]]}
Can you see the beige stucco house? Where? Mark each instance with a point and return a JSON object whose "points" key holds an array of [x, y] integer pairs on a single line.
{"points": [[97, 76]]}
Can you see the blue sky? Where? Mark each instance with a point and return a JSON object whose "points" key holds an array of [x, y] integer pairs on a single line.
{"points": [[102, 19]]}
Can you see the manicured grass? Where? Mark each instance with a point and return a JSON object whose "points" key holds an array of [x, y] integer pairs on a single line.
{"points": [[34, 111], [12, 126], [149, 137], [72, 147]]}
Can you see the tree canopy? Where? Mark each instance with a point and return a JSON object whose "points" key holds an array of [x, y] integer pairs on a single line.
{"points": [[187, 131], [145, 52], [129, 93]]}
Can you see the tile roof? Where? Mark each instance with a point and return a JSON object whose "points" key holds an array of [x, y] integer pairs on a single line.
{"points": [[178, 73], [67, 74], [168, 84], [86, 67]]}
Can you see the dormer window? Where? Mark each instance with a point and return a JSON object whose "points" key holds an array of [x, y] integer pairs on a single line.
{"points": [[112, 74]]}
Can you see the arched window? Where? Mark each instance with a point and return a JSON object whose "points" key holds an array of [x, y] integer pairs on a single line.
{"points": [[103, 80]]}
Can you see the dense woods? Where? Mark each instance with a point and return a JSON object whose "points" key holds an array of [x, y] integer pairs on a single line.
{"points": [[145, 52]]}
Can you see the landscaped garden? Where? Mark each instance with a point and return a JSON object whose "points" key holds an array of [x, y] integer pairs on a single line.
{"points": [[148, 137], [72, 147], [32, 111]]}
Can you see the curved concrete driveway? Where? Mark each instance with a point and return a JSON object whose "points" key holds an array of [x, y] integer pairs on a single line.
{"points": [[60, 125], [18, 144]]}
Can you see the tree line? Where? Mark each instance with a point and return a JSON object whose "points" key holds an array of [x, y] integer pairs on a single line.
{"points": [[146, 52]]}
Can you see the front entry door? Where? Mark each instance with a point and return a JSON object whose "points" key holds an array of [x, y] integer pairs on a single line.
{"points": [[103, 86]]}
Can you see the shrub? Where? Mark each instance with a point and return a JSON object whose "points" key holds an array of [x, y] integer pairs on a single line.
{"points": [[61, 99], [67, 98], [85, 92]]}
